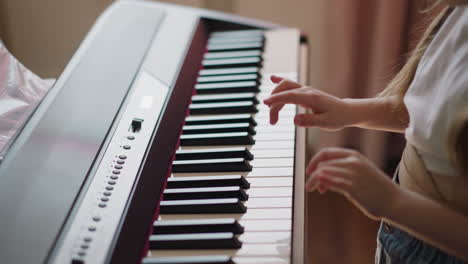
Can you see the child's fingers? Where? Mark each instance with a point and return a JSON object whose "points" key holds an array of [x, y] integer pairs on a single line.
{"points": [[322, 189], [276, 79], [312, 183], [326, 154], [326, 171], [285, 85], [310, 120], [274, 113], [289, 97], [329, 168], [333, 183]]}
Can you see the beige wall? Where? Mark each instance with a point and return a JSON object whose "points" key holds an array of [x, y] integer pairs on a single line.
{"points": [[44, 34]]}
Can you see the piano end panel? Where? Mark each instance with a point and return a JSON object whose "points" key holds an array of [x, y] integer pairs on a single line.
{"points": [[137, 224], [300, 203]]}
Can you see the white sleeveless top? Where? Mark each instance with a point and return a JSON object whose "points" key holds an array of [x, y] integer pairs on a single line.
{"points": [[438, 92]]}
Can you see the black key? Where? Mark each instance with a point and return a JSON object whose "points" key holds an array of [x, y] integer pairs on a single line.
{"points": [[205, 193], [219, 98], [197, 226], [240, 107], [215, 153], [233, 62], [189, 260], [219, 128], [227, 71], [236, 46], [195, 241], [232, 40], [220, 119], [232, 54], [211, 165], [208, 181], [203, 206], [227, 87], [237, 33], [217, 139], [229, 78]]}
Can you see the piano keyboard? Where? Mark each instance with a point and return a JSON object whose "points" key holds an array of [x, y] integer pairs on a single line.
{"points": [[230, 198]]}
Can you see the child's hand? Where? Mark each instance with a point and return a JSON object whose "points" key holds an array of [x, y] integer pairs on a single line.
{"points": [[329, 112], [350, 173]]}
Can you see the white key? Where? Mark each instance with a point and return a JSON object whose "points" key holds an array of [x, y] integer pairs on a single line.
{"points": [[258, 250], [266, 225], [270, 181], [221, 96], [279, 144], [273, 153], [264, 93], [256, 172], [282, 114], [265, 112], [286, 171], [270, 172], [265, 121], [275, 129], [273, 136], [263, 107], [270, 202], [281, 237], [252, 213], [272, 162], [270, 192], [262, 260]]}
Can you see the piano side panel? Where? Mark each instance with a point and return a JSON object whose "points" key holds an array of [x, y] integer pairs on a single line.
{"points": [[301, 208]]}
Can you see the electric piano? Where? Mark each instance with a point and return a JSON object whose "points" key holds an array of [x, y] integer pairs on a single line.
{"points": [[154, 146]]}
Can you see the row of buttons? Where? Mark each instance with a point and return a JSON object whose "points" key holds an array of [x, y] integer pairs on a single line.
{"points": [[105, 198]]}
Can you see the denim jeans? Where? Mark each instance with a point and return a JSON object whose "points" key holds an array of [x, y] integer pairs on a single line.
{"points": [[397, 246]]}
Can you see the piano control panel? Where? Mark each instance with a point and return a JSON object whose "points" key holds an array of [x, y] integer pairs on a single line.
{"points": [[98, 216]]}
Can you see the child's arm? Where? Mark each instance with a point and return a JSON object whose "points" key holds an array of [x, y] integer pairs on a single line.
{"points": [[332, 113], [381, 113], [353, 175]]}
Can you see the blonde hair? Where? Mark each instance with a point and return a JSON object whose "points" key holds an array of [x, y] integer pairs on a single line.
{"points": [[401, 82], [457, 142]]}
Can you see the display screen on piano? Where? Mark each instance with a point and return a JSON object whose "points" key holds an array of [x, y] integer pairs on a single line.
{"points": [[153, 146]]}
